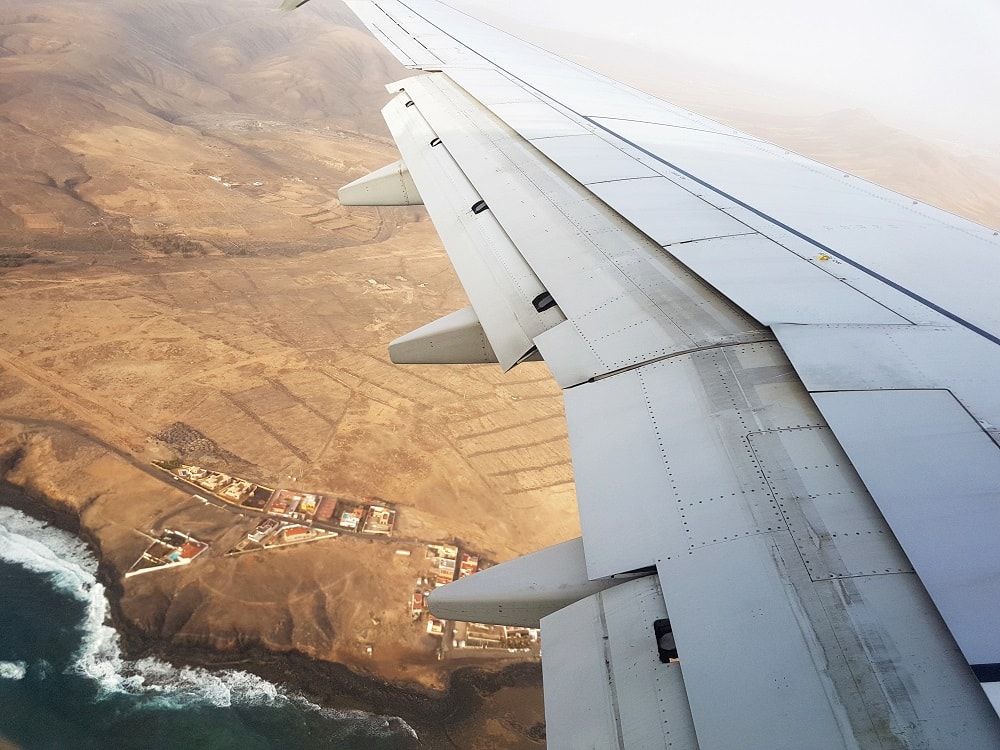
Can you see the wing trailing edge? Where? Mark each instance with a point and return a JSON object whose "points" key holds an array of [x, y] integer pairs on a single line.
{"points": [[607, 683], [500, 283]]}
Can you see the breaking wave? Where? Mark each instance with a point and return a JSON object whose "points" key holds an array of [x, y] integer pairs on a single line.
{"points": [[13, 670], [151, 682]]}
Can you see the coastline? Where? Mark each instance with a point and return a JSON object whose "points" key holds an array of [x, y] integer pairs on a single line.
{"points": [[432, 714], [437, 715]]}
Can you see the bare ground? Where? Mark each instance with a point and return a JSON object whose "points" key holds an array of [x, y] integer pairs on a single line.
{"points": [[177, 279]]}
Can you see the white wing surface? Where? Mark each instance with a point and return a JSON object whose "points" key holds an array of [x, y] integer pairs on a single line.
{"points": [[779, 382]]}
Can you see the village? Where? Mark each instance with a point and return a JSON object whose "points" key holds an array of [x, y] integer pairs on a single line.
{"points": [[291, 517]]}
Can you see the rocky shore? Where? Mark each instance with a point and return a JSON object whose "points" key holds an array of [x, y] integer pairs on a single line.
{"points": [[476, 707], [437, 716]]}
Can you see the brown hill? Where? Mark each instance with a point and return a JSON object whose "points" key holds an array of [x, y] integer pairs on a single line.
{"points": [[117, 107], [183, 57]]}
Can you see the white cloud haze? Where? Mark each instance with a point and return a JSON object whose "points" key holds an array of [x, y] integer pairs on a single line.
{"points": [[917, 64]]}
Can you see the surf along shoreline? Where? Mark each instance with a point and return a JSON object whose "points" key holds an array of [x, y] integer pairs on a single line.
{"points": [[433, 714]]}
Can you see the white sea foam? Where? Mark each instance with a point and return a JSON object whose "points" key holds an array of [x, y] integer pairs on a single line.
{"points": [[13, 670], [68, 563], [45, 549]]}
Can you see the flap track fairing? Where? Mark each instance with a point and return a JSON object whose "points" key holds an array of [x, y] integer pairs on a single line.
{"points": [[391, 185], [522, 591], [456, 339]]}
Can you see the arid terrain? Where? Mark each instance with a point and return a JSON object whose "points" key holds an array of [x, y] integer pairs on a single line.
{"points": [[178, 281]]}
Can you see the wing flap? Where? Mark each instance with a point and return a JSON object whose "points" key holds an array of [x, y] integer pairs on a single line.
{"points": [[605, 686], [628, 301], [878, 234], [500, 284], [745, 627]]}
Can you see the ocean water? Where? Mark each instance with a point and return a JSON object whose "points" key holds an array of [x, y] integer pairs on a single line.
{"points": [[65, 684]]}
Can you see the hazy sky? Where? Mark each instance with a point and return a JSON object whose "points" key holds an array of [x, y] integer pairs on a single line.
{"points": [[913, 63]]}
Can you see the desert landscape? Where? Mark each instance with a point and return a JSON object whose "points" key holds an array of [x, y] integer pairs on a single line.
{"points": [[179, 282]]}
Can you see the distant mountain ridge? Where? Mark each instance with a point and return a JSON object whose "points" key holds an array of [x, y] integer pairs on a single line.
{"points": [[180, 57], [97, 101], [74, 71]]}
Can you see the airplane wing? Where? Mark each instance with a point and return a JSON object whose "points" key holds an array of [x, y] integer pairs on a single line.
{"points": [[779, 383]]}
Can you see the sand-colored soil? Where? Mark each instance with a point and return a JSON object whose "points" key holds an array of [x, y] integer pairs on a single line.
{"points": [[178, 280], [277, 362]]}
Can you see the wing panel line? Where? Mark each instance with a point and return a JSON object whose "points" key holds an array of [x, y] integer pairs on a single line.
{"points": [[801, 235], [722, 193]]}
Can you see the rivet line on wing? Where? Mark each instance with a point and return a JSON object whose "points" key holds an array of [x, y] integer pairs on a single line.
{"points": [[762, 337]]}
